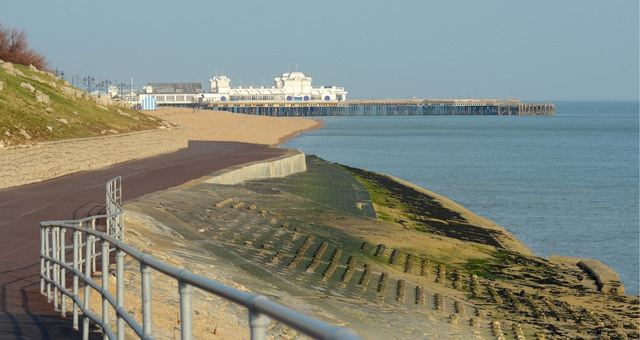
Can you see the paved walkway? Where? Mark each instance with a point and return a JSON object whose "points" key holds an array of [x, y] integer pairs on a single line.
{"points": [[24, 313]]}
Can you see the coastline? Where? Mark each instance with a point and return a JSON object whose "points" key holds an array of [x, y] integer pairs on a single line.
{"points": [[569, 274], [212, 125]]}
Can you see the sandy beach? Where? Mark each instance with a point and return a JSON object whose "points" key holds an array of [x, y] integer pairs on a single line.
{"points": [[209, 125]]}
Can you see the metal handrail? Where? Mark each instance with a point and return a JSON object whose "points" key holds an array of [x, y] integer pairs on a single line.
{"points": [[54, 266]]}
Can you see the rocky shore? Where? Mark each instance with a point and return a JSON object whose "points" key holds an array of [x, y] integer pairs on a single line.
{"points": [[352, 247]]}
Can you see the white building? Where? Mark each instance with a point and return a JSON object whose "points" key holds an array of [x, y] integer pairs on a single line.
{"points": [[290, 87]]}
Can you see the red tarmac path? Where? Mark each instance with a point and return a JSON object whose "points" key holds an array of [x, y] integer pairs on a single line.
{"points": [[24, 313]]}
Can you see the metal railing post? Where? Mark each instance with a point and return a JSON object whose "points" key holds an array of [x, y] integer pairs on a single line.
{"points": [[92, 257], [76, 269], [55, 249], [87, 291], [121, 227], [63, 273], [42, 264], [120, 292], [105, 284], [186, 314], [257, 321], [48, 263], [146, 299]]}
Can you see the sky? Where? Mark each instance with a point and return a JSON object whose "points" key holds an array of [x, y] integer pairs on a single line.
{"points": [[542, 50]]}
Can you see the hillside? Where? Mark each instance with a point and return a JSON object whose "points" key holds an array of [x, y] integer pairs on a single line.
{"points": [[37, 106]]}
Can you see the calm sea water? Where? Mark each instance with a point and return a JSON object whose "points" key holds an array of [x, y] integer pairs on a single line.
{"points": [[565, 184]]}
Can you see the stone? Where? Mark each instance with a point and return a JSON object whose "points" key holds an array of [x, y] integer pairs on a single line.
{"points": [[1, 86], [8, 67], [42, 98], [7, 133], [50, 128], [28, 87], [33, 68], [25, 134], [62, 120], [70, 91]]}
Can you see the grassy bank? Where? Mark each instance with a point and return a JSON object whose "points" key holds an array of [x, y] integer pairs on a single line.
{"points": [[36, 106]]}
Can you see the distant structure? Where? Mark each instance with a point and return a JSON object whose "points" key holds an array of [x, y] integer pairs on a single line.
{"points": [[293, 95], [169, 88], [290, 87]]}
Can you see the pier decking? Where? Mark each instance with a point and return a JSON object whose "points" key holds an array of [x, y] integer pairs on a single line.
{"points": [[411, 107]]}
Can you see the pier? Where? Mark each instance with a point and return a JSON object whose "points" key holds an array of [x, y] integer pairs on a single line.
{"points": [[400, 107]]}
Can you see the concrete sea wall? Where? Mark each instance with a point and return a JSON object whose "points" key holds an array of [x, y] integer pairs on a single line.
{"points": [[293, 162], [43, 161]]}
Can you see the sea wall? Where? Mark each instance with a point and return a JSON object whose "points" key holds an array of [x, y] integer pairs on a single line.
{"points": [[43, 161], [293, 162]]}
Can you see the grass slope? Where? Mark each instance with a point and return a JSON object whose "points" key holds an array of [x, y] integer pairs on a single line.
{"points": [[42, 121]]}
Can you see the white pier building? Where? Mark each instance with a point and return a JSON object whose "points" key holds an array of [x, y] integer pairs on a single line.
{"points": [[290, 87]]}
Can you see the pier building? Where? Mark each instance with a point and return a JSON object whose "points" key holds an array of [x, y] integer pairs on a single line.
{"points": [[289, 87]]}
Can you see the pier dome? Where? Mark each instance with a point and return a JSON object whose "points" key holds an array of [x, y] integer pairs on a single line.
{"points": [[294, 75]]}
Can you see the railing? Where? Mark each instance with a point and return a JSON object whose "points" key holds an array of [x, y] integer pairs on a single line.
{"points": [[54, 267]]}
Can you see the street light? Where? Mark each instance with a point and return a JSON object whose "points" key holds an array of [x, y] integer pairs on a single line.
{"points": [[87, 81]]}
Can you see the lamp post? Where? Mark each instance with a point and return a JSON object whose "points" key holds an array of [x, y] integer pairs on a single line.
{"points": [[87, 82]]}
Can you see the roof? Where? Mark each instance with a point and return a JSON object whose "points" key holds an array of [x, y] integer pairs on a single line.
{"points": [[293, 75], [176, 87]]}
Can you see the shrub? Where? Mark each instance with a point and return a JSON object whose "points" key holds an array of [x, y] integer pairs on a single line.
{"points": [[14, 49]]}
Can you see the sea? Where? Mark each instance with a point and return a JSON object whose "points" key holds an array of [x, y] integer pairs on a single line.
{"points": [[563, 184]]}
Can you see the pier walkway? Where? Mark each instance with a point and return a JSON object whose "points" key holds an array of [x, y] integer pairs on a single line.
{"points": [[24, 313], [408, 107]]}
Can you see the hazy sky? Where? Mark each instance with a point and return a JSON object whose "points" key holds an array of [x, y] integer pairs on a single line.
{"points": [[532, 50]]}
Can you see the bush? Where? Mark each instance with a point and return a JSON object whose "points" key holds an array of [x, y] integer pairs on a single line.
{"points": [[14, 49]]}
